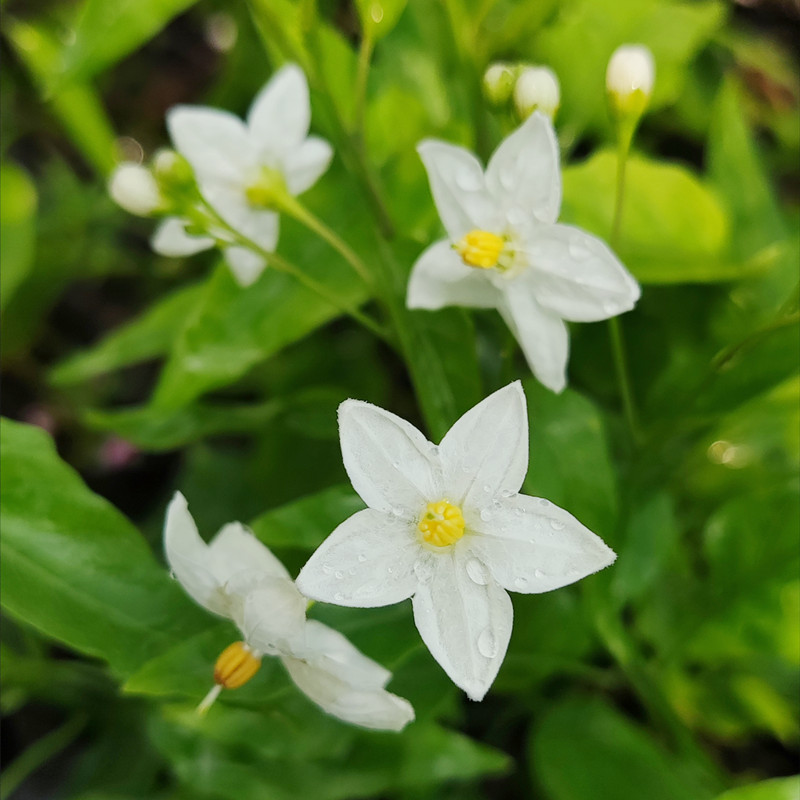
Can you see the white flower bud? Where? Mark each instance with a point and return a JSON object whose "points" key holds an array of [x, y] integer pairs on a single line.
{"points": [[134, 188], [498, 81], [537, 89], [629, 79]]}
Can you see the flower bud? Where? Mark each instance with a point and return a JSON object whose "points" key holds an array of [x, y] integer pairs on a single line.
{"points": [[134, 188], [498, 81], [172, 170], [629, 79], [537, 89]]}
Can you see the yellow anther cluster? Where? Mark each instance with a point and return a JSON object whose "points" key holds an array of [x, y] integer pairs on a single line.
{"points": [[235, 666], [480, 249], [441, 523]]}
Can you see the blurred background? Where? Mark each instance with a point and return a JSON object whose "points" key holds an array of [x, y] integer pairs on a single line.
{"points": [[672, 675]]}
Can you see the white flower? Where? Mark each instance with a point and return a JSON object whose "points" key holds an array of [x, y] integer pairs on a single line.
{"points": [[243, 168], [630, 77], [237, 577], [505, 250], [134, 188], [446, 526], [537, 88]]}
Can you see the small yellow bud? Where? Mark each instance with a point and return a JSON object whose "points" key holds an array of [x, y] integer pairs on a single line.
{"points": [[235, 666], [441, 524], [480, 249]]}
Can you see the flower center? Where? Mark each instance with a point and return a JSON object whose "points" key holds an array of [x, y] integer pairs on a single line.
{"points": [[235, 666], [441, 523], [267, 190], [480, 249]]}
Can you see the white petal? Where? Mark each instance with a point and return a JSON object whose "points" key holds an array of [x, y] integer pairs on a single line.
{"points": [[245, 265], [304, 164], [170, 239], [189, 558], [440, 278], [531, 545], [390, 463], [577, 276], [524, 170], [459, 189], [486, 451], [255, 224], [235, 549], [542, 335], [214, 142], [274, 617], [464, 620], [134, 188], [280, 114], [376, 708], [367, 561]]}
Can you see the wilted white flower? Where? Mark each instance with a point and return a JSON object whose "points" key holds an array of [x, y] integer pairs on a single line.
{"points": [[237, 577], [537, 89], [446, 526], [244, 169], [498, 81], [505, 249], [133, 187], [629, 78]]}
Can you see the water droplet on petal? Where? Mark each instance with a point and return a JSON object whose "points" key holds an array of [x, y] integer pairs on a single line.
{"points": [[556, 525], [520, 583], [173, 575], [327, 569], [544, 503], [361, 558], [519, 511], [397, 511], [578, 251], [338, 574], [486, 515], [338, 597], [538, 573], [486, 487], [466, 470], [506, 493], [487, 643], [477, 572], [396, 464]]}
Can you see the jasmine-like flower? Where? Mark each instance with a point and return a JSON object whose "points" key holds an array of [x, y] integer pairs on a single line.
{"points": [[237, 577], [446, 526], [505, 250], [244, 169]]}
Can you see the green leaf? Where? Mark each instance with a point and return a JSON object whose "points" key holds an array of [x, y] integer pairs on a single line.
{"points": [[569, 459], [584, 749], [106, 32], [17, 228], [774, 789], [307, 522], [674, 229], [77, 106], [148, 336], [74, 567]]}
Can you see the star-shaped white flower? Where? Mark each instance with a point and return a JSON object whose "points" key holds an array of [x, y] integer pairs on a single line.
{"points": [[241, 166], [505, 249], [237, 577], [446, 526]]}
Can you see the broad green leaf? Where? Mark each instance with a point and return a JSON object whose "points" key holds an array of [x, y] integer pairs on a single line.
{"points": [[306, 523], [77, 106], [774, 789], [674, 229], [106, 32], [569, 459], [74, 568], [584, 749], [148, 336], [18, 202]]}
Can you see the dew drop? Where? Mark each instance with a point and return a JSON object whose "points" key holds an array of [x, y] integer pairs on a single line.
{"points": [[486, 515], [466, 470], [520, 583], [487, 644], [338, 597], [327, 569], [351, 571], [506, 493], [390, 570], [173, 575], [397, 511], [338, 575], [519, 511], [556, 525], [578, 251], [396, 464], [487, 488], [538, 573], [544, 503], [477, 572], [361, 558]]}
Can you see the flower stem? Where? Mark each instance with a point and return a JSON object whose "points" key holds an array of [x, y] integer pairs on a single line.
{"points": [[364, 57], [625, 137]]}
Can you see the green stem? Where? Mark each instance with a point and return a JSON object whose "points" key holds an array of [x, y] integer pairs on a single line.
{"points": [[281, 264], [360, 102], [625, 137], [39, 753]]}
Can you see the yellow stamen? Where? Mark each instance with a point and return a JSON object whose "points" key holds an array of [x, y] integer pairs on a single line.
{"points": [[235, 666], [480, 249], [441, 523]]}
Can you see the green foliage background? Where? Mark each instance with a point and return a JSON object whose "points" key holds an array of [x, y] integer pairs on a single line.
{"points": [[671, 675]]}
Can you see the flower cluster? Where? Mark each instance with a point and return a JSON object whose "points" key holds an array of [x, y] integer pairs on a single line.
{"points": [[445, 526]]}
